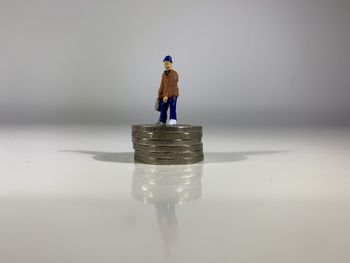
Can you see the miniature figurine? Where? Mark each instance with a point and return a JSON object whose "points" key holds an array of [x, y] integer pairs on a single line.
{"points": [[168, 93]]}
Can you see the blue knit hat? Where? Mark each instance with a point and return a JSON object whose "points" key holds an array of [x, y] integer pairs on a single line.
{"points": [[168, 58]]}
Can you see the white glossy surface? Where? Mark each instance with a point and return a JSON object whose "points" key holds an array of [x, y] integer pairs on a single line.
{"points": [[73, 194]]}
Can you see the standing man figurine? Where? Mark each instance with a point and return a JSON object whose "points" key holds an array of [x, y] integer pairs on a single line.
{"points": [[168, 92]]}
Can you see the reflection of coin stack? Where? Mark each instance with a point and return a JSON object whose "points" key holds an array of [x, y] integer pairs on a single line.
{"points": [[160, 184], [163, 144], [165, 187]]}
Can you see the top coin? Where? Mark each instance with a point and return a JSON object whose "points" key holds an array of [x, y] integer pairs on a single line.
{"points": [[168, 128]]}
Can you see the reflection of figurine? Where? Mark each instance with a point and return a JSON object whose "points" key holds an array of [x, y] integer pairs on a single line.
{"points": [[165, 188], [168, 92]]}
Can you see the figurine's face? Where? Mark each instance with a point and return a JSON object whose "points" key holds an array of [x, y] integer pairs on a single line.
{"points": [[167, 65]]}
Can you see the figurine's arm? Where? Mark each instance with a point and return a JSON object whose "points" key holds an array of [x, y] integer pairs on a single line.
{"points": [[161, 88]]}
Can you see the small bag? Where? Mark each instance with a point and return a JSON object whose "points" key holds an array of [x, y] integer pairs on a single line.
{"points": [[156, 105]]}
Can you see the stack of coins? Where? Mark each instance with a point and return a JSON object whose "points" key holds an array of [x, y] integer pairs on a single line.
{"points": [[164, 144]]}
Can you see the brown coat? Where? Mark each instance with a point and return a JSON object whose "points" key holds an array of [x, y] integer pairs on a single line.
{"points": [[168, 86]]}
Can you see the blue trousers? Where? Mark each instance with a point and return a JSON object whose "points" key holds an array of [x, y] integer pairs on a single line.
{"points": [[164, 109]]}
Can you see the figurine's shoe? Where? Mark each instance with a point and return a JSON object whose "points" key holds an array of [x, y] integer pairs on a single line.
{"points": [[172, 122], [159, 123]]}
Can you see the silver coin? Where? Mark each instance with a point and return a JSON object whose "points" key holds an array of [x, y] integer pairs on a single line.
{"points": [[156, 154], [161, 135], [166, 148], [167, 161], [170, 142], [167, 128]]}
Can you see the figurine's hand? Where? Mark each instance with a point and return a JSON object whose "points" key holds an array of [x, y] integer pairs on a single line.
{"points": [[165, 99]]}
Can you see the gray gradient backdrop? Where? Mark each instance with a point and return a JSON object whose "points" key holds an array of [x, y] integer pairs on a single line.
{"points": [[251, 61]]}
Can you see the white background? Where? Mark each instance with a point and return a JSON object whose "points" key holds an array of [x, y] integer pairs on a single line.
{"points": [[238, 61]]}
